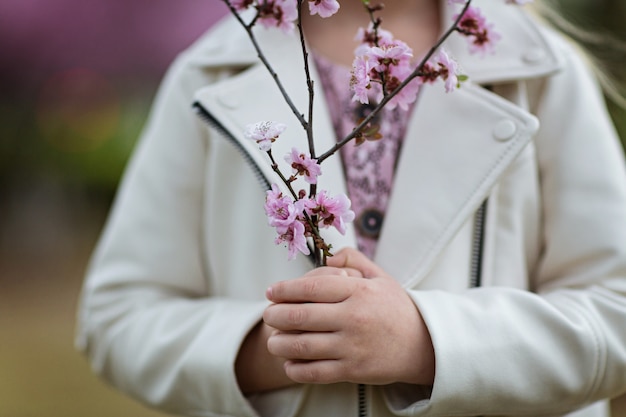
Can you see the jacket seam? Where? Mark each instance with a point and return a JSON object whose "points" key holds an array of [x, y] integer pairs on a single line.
{"points": [[597, 339]]}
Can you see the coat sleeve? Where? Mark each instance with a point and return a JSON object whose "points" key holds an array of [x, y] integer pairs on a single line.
{"points": [[147, 320], [561, 346]]}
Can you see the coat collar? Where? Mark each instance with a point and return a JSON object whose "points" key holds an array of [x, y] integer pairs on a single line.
{"points": [[442, 176]]}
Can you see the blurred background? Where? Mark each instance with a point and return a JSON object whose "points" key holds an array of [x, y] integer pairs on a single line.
{"points": [[76, 81]]}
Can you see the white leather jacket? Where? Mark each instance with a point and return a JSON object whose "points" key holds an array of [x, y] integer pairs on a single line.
{"points": [[178, 278]]}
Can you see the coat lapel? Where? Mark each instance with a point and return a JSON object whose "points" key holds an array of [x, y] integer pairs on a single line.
{"points": [[458, 144], [456, 147]]}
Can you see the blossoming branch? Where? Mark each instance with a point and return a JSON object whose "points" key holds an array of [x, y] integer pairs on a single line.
{"points": [[382, 68]]}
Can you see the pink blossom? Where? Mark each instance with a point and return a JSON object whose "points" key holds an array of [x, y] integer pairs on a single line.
{"points": [[395, 54], [481, 36], [302, 164], [324, 8], [285, 215], [295, 238], [369, 37], [388, 63], [447, 70], [264, 133], [406, 96], [331, 211], [441, 66], [281, 210], [278, 13], [360, 82]]}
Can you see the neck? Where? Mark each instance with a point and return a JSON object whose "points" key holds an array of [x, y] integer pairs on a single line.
{"points": [[416, 22]]}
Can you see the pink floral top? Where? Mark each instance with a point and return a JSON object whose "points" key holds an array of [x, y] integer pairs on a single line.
{"points": [[369, 167]]}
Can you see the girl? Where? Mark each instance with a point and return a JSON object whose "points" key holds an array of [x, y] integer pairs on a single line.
{"points": [[484, 274]]}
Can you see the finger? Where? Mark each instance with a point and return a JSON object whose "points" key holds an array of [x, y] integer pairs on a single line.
{"points": [[304, 346], [307, 317], [314, 289], [353, 259], [316, 372]]}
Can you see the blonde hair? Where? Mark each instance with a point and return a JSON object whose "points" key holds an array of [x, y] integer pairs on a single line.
{"points": [[590, 43]]}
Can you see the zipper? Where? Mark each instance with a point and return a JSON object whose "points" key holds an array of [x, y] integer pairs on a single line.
{"points": [[362, 410], [477, 246], [207, 117]]}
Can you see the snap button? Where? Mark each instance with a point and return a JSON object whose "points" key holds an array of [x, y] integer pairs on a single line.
{"points": [[370, 222], [533, 56], [504, 130], [229, 101]]}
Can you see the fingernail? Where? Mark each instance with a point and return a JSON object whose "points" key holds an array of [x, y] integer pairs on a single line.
{"points": [[268, 293]]}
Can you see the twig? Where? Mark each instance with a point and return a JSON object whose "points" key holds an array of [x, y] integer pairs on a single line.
{"points": [[248, 29], [385, 100]]}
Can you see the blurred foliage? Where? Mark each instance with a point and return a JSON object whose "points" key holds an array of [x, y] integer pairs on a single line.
{"points": [[30, 151], [599, 26]]}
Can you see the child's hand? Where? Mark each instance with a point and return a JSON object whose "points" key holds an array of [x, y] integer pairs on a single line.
{"points": [[335, 326]]}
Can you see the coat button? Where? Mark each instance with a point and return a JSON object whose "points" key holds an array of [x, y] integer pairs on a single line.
{"points": [[504, 130], [370, 222], [533, 56]]}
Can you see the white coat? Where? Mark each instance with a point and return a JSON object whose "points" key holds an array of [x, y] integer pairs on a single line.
{"points": [[178, 278]]}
